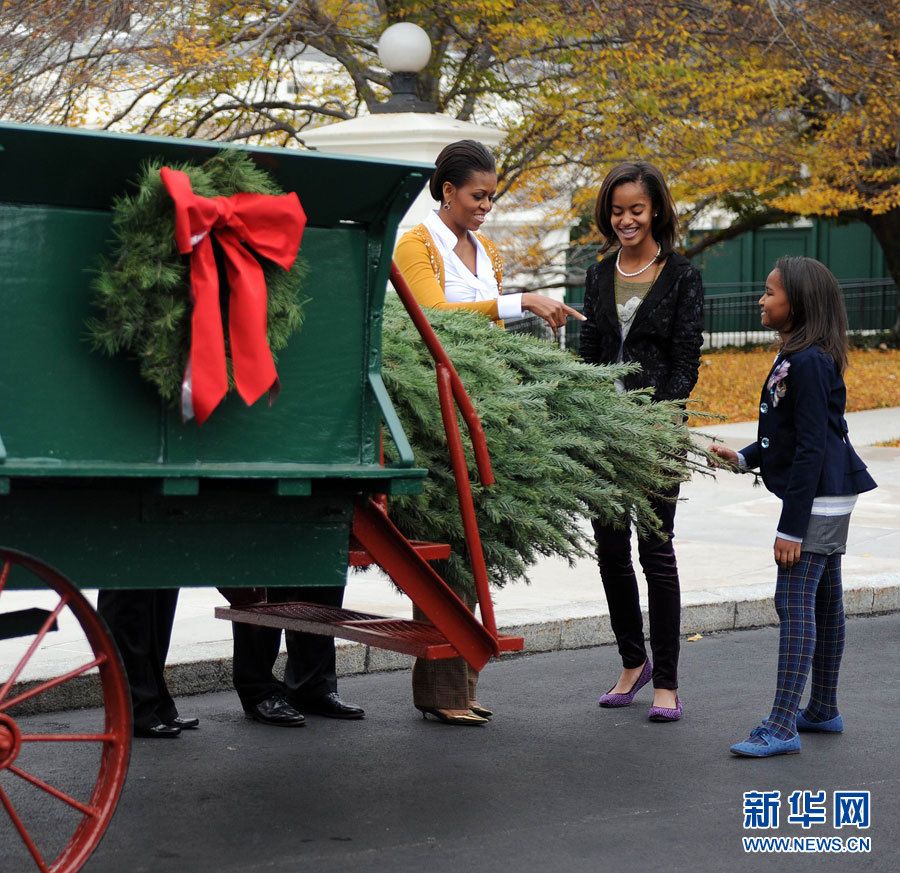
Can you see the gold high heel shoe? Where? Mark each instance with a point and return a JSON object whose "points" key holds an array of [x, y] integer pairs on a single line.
{"points": [[478, 709], [467, 720]]}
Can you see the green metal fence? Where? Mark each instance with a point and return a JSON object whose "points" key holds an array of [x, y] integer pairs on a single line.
{"points": [[731, 314]]}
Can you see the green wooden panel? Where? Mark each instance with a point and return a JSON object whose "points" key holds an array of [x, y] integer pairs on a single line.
{"points": [[332, 188], [775, 243], [721, 263], [61, 400], [103, 535], [58, 399], [318, 416], [101, 480], [849, 250]]}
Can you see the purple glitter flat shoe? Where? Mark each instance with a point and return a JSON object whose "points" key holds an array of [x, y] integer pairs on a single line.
{"points": [[665, 713], [610, 700]]}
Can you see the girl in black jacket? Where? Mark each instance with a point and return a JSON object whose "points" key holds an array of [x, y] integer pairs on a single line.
{"points": [[645, 305]]}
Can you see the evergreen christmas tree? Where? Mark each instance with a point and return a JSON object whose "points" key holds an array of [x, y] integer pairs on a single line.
{"points": [[564, 445]]}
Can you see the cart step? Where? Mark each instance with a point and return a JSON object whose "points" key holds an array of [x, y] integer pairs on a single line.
{"points": [[417, 579], [417, 638], [359, 557]]}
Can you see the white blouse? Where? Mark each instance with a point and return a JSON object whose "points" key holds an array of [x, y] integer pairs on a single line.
{"points": [[460, 285]]}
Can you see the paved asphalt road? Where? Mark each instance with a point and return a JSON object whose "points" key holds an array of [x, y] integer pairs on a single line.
{"points": [[552, 784]]}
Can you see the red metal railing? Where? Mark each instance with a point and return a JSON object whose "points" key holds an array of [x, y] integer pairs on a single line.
{"points": [[450, 389]]}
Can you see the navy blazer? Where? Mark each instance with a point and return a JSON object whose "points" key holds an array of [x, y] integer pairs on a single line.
{"points": [[802, 448]]}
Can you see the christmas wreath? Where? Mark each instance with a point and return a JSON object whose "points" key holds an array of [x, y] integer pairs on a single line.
{"points": [[143, 290]]}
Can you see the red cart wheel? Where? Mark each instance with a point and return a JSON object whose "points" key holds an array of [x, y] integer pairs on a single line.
{"points": [[59, 787]]}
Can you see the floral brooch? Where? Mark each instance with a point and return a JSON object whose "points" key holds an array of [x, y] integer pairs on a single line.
{"points": [[777, 384]]}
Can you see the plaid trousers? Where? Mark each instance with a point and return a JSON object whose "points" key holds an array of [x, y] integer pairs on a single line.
{"points": [[810, 605], [449, 683]]}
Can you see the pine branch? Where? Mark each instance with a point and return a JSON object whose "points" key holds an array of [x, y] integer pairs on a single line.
{"points": [[564, 445]]}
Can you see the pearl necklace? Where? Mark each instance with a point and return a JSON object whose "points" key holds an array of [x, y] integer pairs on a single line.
{"points": [[642, 269]]}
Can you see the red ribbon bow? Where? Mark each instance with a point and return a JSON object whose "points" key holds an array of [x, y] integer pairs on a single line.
{"points": [[272, 226]]}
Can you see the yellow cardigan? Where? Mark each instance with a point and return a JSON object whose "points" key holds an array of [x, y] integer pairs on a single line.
{"points": [[418, 258]]}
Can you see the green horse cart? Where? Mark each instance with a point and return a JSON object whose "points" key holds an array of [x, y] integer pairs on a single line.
{"points": [[100, 478]]}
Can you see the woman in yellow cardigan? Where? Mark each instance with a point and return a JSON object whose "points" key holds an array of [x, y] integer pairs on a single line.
{"points": [[449, 265]]}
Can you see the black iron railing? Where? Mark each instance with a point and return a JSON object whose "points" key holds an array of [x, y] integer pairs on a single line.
{"points": [[731, 314]]}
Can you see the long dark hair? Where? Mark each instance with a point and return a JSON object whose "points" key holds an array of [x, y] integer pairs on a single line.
{"points": [[664, 223], [457, 162], [818, 316]]}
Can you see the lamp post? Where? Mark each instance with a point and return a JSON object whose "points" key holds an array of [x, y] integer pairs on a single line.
{"points": [[403, 127], [405, 50]]}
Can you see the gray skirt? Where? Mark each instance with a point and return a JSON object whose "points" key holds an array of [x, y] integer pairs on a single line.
{"points": [[826, 535]]}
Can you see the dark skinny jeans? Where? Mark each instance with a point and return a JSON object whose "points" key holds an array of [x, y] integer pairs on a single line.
{"points": [[657, 557]]}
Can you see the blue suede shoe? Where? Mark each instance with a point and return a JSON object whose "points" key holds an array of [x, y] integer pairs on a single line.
{"points": [[762, 744], [831, 726]]}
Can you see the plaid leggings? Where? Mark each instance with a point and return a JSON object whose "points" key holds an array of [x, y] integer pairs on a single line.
{"points": [[810, 606]]}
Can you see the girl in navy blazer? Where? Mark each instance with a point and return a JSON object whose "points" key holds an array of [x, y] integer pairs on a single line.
{"points": [[805, 457]]}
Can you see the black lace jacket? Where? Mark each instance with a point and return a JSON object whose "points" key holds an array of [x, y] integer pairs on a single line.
{"points": [[666, 333]]}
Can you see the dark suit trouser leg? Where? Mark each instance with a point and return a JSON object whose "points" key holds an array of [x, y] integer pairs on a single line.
{"points": [[657, 557], [255, 651], [311, 664], [449, 683], [165, 603], [140, 621]]}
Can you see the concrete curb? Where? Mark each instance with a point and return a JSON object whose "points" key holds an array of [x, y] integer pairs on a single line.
{"points": [[751, 607]]}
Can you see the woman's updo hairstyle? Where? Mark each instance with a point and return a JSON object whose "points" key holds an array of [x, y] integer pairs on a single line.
{"points": [[664, 221], [457, 162]]}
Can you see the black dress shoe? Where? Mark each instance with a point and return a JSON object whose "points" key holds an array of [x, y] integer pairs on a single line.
{"points": [[275, 710], [186, 724], [331, 706], [157, 732]]}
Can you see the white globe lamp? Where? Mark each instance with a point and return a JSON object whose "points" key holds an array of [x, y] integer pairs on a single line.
{"points": [[404, 49]]}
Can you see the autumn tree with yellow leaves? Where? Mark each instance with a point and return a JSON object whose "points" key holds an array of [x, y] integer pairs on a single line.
{"points": [[770, 108], [848, 142]]}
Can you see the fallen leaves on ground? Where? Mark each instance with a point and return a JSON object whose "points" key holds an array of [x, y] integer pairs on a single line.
{"points": [[730, 382]]}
